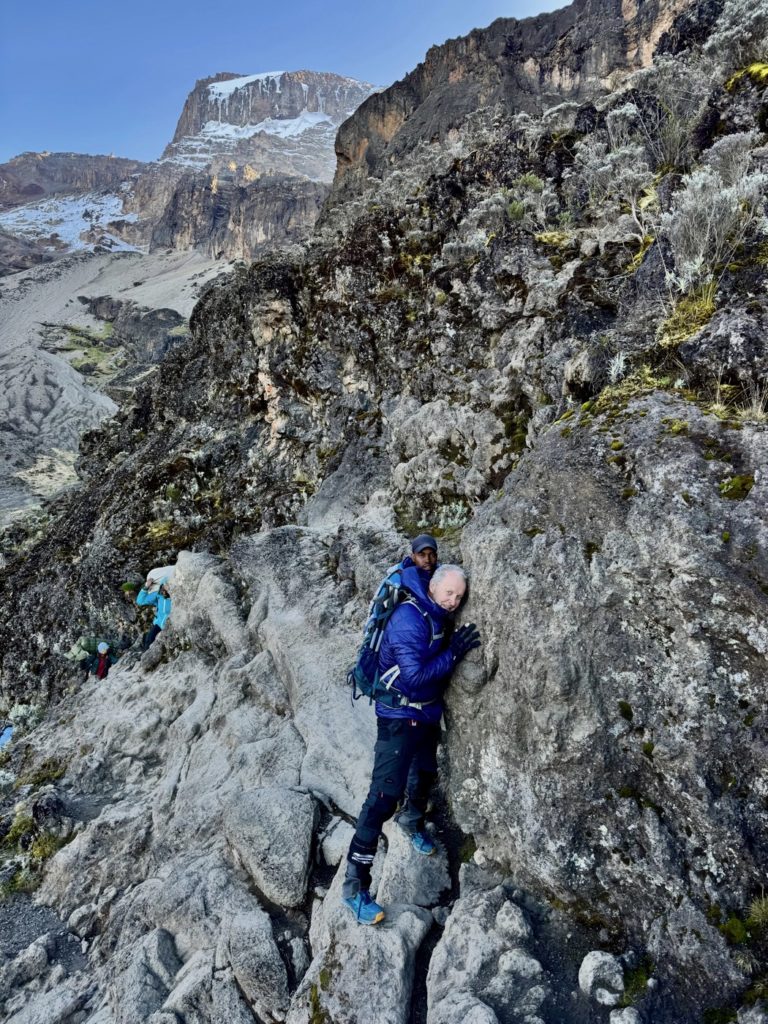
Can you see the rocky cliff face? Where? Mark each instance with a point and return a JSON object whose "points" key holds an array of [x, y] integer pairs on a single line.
{"points": [[578, 53], [244, 171], [223, 219], [33, 176], [525, 338]]}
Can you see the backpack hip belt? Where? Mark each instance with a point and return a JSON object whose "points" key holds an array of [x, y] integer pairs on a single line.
{"points": [[388, 679]]}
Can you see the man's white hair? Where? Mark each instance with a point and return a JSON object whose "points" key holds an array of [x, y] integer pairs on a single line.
{"points": [[443, 570]]}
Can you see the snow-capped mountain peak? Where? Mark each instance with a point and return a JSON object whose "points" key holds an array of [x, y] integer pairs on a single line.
{"points": [[276, 121]]}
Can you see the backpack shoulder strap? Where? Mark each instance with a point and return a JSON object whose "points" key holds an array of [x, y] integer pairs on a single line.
{"points": [[410, 599]]}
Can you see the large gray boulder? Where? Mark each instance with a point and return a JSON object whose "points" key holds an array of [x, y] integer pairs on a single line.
{"points": [[601, 977], [271, 832]]}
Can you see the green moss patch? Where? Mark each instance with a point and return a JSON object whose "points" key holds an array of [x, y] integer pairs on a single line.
{"points": [[22, 881], [736, 488], [625, 710], [636, 982], [674, 426], [44, 847], [735, 931], [50, 770], [467, 850], [23, 825]]}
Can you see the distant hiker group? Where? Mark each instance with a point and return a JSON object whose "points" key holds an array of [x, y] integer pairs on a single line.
{"points": [[410, 648], [94, 655]]}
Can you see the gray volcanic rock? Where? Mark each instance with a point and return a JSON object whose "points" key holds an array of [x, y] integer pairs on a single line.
{"points": [[272, 833], [475, 344], [625, 715], [20, 253], [482, 968], [348, 957], [148, 334]]}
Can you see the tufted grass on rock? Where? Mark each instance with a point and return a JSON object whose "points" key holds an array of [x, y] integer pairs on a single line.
{"points": [[642, 381], [637, 260], [758, 913], [691, 313]]}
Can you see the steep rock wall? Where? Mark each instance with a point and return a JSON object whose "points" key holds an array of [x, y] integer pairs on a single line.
{"points": [[577, 53], [235, 222], [33, 176]]}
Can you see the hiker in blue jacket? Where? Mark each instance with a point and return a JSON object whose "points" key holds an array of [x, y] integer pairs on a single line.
{"points": [[161, 601], [418, 655]]}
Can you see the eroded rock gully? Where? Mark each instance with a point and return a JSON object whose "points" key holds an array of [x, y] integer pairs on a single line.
{"points": [[474, 342]]}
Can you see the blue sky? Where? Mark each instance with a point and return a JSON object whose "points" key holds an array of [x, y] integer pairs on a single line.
{"points": [[89, 76]]}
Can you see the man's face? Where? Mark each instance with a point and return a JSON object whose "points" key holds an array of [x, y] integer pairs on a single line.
{"points": [[425, 559], [448, 591]]}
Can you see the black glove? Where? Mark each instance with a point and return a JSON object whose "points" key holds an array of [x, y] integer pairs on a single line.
{"points": [[464, 639]]}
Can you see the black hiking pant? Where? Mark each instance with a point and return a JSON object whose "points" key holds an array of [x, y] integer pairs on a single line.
{"points": [[150, 637], [404, 764]]}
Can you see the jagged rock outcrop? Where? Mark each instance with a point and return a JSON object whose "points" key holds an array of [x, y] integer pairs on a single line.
{"points": [[475, 343], [146, 334], [246, 169], [19, 253]]}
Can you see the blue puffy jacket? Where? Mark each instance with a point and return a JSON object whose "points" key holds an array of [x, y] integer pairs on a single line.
{"points": [[415, 640], [161, 604]]}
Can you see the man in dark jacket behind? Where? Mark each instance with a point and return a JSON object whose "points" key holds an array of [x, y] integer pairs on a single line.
{"points": [[417, 654]]}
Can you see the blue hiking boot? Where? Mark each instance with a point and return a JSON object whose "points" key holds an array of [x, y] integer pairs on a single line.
{"points": [[365, 909], [423, 843]]}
